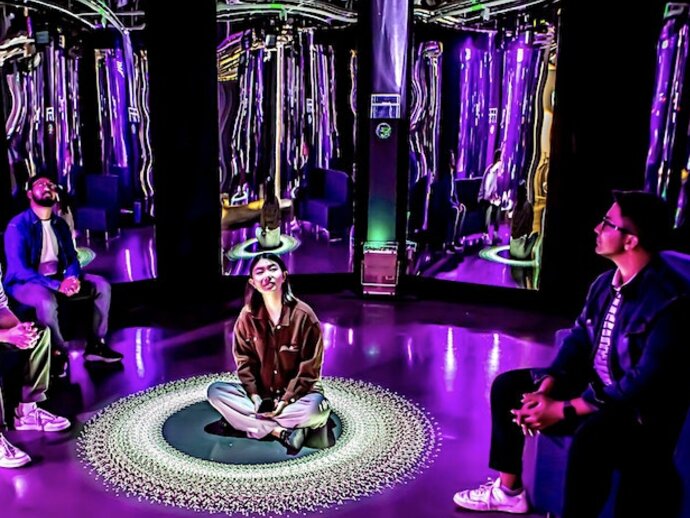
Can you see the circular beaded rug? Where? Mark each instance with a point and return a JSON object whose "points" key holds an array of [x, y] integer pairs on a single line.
{"points": [[385, 440]]}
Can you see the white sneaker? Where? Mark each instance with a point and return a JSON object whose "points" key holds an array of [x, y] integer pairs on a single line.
{"points": [[10, 455], [490, 497], [41, 420]]}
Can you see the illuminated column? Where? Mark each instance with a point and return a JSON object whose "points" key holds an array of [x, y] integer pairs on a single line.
{"points": [[384, 79]]}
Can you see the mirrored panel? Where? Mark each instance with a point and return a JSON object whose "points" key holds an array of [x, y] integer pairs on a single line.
{"points": [[75, 105], [287, 125], [668, 157], [481, 111]]}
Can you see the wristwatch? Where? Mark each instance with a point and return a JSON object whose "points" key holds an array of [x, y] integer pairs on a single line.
{"points": [[569, 412]]}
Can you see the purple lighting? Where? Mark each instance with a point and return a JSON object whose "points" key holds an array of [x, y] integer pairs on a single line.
{"points": [[524, 67], [662, 157], [115, 83], [479, 67]]}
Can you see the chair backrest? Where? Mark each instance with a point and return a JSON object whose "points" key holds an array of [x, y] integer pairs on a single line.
{"points": [[329, 184], [337, 185], [103, 190], [679, 263], [467, 191]]}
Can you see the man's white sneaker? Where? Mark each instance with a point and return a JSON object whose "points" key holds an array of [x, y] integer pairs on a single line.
{"points": [[490, 497], [41, 420], [10, 455]]}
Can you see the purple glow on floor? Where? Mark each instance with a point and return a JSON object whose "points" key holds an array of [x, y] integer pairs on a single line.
{"points": [[442, 356], [128, 257]]}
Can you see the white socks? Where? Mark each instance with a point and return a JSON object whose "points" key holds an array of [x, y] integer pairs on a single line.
{"points": [[24, 409]]}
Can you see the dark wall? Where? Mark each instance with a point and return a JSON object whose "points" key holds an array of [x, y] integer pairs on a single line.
{"points": [[184, 134], [604, 87], [6, 201]]}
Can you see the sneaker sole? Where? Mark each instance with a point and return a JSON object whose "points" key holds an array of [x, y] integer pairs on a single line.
{"points": [[38, 428], [483, 508], [96, 358], [17, 463]]}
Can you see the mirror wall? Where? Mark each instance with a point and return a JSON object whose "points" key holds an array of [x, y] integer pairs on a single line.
{"points": [[287, 129], [74, 91], [482, 104], [668, 157]]}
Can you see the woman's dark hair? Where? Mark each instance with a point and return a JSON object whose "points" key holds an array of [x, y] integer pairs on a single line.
{"points": [[253, 298]]}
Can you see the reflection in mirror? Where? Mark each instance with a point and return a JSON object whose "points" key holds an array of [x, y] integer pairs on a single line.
{"points": [[481, 111], [75, 106], [668, 158], [286, 93]]}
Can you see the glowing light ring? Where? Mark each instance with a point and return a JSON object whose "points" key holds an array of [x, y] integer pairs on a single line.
{"points": [[386, 440], [241, 251], [85, 256], [492, 254]]}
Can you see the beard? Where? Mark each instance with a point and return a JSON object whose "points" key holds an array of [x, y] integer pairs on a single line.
{"points": [[45, 202]]}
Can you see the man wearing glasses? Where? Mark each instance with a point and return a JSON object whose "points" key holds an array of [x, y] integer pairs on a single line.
{"points": [[617, 383], [42, 267]]}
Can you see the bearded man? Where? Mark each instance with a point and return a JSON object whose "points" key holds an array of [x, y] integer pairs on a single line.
{"points": [[42, 269]]}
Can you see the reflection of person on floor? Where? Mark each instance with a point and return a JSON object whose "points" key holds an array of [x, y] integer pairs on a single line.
{"points": [[618, 383], [34, 346], [489, 198], [521, 237], [42, 266], [278, 349], [268, 233]]}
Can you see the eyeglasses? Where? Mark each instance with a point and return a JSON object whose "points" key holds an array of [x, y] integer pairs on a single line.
{"points": [[45, 185], [606, 223]]}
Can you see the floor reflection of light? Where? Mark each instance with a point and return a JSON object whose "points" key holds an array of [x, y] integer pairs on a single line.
{"points": [[493, 360], [408, 347], [152, 258], [328, 335], [350, 336], [128, 264], [141, 370], [449, 364], [21, 486], [373, 350]]}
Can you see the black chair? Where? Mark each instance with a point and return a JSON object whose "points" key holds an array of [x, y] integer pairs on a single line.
{"points": [[327, 201], [472, 219], [544, 472], [101, 212]]}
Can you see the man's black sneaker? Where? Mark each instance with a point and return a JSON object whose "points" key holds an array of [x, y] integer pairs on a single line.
{"points": [[98, 351]]}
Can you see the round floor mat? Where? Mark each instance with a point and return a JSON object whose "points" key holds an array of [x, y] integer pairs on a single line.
{"points": [[494, 254], [85, 256], [250, 248], [186, 431], [386, 440]]}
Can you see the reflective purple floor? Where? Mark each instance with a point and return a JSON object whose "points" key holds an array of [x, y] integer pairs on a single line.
{"points": [[442, 356], [468, 267], [129, 256]]}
